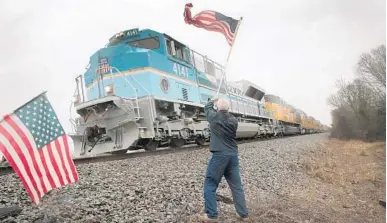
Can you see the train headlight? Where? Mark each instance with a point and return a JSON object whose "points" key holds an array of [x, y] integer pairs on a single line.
{"points": [[109, 89]]}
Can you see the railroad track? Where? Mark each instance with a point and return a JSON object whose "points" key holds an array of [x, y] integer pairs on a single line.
{"points": [[161, 151]]}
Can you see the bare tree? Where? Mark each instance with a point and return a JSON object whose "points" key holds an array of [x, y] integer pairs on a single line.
{"points": [[372, 70], [359, 105]]}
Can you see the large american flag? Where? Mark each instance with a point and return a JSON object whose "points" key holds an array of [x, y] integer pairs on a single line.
{"points": [[212, 21], [35, 145]]}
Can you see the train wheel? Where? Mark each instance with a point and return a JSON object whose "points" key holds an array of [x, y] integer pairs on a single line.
{"points": [[151, 146], [177, 142], [200, 141]]}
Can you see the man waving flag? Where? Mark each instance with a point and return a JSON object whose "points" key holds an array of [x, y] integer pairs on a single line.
{"points": [[213, 21], [35, 145]]}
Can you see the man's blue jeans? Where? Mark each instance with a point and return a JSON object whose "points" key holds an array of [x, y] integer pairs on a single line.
{"points": [[227, 165]]}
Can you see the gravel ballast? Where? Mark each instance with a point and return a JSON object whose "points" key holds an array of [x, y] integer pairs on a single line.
{"points": [[163, 188]]}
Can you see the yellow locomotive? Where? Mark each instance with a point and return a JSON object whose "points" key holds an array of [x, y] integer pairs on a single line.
{"points": [[291, 116]]}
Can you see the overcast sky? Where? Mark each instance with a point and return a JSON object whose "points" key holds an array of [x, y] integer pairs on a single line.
{"points": [[46, 43]]}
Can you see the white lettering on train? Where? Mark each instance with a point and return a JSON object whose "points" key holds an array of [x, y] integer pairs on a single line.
{"points": [[180, 70]]}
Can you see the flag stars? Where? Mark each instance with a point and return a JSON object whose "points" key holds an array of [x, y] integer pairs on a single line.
{"points": [[41, 120]]}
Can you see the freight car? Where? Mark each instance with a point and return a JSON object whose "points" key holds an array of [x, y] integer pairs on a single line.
{"points": [[145, 89]]}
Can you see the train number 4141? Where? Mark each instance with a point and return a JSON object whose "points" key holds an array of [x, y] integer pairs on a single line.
{"points": [[180, 70]]}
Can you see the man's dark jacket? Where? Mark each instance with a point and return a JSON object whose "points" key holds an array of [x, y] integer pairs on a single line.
{"points": [[223, 129]]}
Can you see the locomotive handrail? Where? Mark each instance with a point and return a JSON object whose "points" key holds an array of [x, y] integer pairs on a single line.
{"points": [[131, 85], [72, 121], [147, 92], [149, 96], [73, 124]]}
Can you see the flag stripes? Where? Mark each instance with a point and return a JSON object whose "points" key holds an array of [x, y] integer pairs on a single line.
{"points": [[40, 169], [212, 21]]}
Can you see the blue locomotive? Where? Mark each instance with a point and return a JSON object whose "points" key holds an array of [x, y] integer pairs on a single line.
{"points": [[145, 89]]}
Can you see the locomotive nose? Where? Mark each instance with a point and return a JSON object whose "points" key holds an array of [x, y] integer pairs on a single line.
{"points": [[100, 140]]}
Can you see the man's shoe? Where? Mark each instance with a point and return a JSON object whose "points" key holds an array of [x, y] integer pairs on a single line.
{"points": [[204, 218], [245, 219]]}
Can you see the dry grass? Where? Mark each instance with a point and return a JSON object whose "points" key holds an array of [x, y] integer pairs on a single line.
{"points": [[348, 178], [344, 163]]}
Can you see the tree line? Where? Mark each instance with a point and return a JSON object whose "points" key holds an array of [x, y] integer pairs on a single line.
{"points": [[359, 105]]}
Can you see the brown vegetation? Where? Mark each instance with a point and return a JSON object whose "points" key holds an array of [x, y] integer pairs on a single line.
{"points": [[348, 181]]}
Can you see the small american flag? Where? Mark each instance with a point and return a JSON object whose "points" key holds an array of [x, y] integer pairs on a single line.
{"points": [[35, 145], [212, 21]]}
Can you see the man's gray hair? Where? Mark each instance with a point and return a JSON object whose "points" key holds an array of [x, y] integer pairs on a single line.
{"points": [[223, 104]]}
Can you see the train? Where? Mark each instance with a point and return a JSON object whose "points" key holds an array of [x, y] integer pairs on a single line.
{"points": [[146, 90]]}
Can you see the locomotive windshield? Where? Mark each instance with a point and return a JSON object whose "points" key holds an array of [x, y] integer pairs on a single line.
{"points": [[148, 43]]}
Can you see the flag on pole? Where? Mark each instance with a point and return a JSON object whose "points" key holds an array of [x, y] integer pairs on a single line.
{"points": [[35, 145], [212, 21]]}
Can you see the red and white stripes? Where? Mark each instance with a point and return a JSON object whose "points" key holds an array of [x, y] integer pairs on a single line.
{"points": [[40, 169], [209, 22]]}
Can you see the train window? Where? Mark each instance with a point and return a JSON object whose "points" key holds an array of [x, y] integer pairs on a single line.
{"points": [[169, 47], [177, 50], [148, 43]]}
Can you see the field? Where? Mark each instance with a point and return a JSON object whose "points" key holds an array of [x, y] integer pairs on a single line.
{"points": [[346, 184]]}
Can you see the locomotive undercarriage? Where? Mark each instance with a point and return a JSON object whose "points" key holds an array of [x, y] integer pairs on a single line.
{"points": [[181, 124], [114, 125]]}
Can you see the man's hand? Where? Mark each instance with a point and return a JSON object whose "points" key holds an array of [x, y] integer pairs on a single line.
{"points": [[215, 98]]}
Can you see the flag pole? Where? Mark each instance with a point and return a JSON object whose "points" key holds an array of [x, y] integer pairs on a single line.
{"points": [[229, 53]]}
